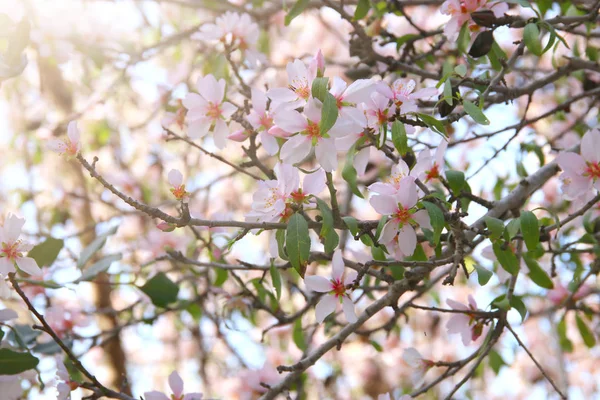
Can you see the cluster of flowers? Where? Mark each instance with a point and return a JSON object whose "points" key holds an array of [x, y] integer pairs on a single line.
{"points": [[460, 13]]}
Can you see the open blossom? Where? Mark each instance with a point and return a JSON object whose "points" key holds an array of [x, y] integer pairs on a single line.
{"points": [[308, 135], [208, 111], [460, 12], [12, 248], [250, 388], [262, 121], [581, 173], [419, 365], [402, 94], [178, 187], [298, 92], [428, 166], [237, 31], [378, 111], [348, 96], [560, 293], [398, 180], [69, 145], [469, 327], [399, 232], [176, 384], [335, 288], [272, 200]]}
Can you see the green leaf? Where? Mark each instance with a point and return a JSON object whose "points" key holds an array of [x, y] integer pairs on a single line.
{"points": [[399, 138], [21, 335], [475, 113], [433, 123], [46, 252], [483, 275], [50, 347], [448, 92], [276, 279], [436, 218], [329, 113], [296, 10], [297, 241], [376, 346], [456, 180], [93, 247], [352, 224], [507, 259], [298, 335], [565, 342], [522, 3], [495, 226], [512, 228], [99, 266], [496, 361], [320, 88], [461, 70], [585, 332], [280, 237], [161, 290], [13, 363], [531, 36], [362, 8], [1, 335], [537, 274], [221, 276], [517, 303], [464, 37], [349, 172], [327, 230], [530, 229]]}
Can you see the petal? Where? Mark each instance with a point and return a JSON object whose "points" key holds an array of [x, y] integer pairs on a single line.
{"points": [[295, 149], [326, 154], [193, 100], [359, 91], [337, 86], [317, 284], [349, 312], [283, 95], [456, 305], [361, 160], [210, 89], [12, 227], [220, 134], [269, 143], [6, 266], [227, 109], [290, 121], [571, 163], [313, 110], [199, 128], [382, 188], [350, 277], [176, 384], [384, 205], [389, 232], [325, 307], [314, 183], [422, 218], [590, 146], [259, 101], [457, 323], [408, 195], [337, 265], [73, 132], [175, 178], [155, 396], [7, 314], [29, 265], [193, 396], [407, 240], [412, 357]]}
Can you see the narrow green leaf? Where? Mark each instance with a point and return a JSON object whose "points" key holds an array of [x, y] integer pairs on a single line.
{"points": [[280, 237], [585, 332], [399, 137], [13, 363], [296, 10], [362, 8], [433, 123], [448, 92], [221, 275], [475, 113], [328, 233], [537, 274], [99, 266], [517, 303], [93, 247], [436, 218], [376, 346], [496, 361], [352, 224], [349, 173], [495, 226], [530, 229], [507, 259], [297, 241], [483, 275], [161, 290], [319, 88], [531, 36], [46, 252], [461, 70], [464, 37], [565, 342], [329, 113], [276, 279], [298, 335]]}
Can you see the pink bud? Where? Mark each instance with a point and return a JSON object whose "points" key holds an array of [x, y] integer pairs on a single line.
{"points": [[320, 63], [278, 132], [165, 226], [238, 136]]}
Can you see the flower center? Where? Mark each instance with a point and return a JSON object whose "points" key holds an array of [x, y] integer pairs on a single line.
{"points": [[213, 110], [11, 250], [433, 173], [593, 170], [266, 121], [273, 198], [298, 196], [179, 192], [312, 130], [382, 117], [301, 89], [403, 215], [338, 288]]}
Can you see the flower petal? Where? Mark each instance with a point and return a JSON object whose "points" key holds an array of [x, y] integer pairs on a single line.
{"points": [[176, 384], [317, 284], [349, 311], [325, 307], [29, 265]]}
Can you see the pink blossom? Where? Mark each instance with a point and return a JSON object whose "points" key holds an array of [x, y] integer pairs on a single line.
{"points": [[10, 386], [378, 111], [12, 248], [402, 95], [419, 365], [6, 314], [460, 12], [207, 110], [250, 381], [469, 327], [298, 92], [272, 199], [166, 226], [399, 178], [70, 145], [5, 291], [348, 96], [262, 121], [62, 320], [176, 385], [560, 293], [309, 135], [399, 232], [581, 173], [178, 187], [319, 62], [335, 288], [430, 167]]}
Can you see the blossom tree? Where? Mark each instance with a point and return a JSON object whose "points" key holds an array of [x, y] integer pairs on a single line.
{"points": [[299, 200]]}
